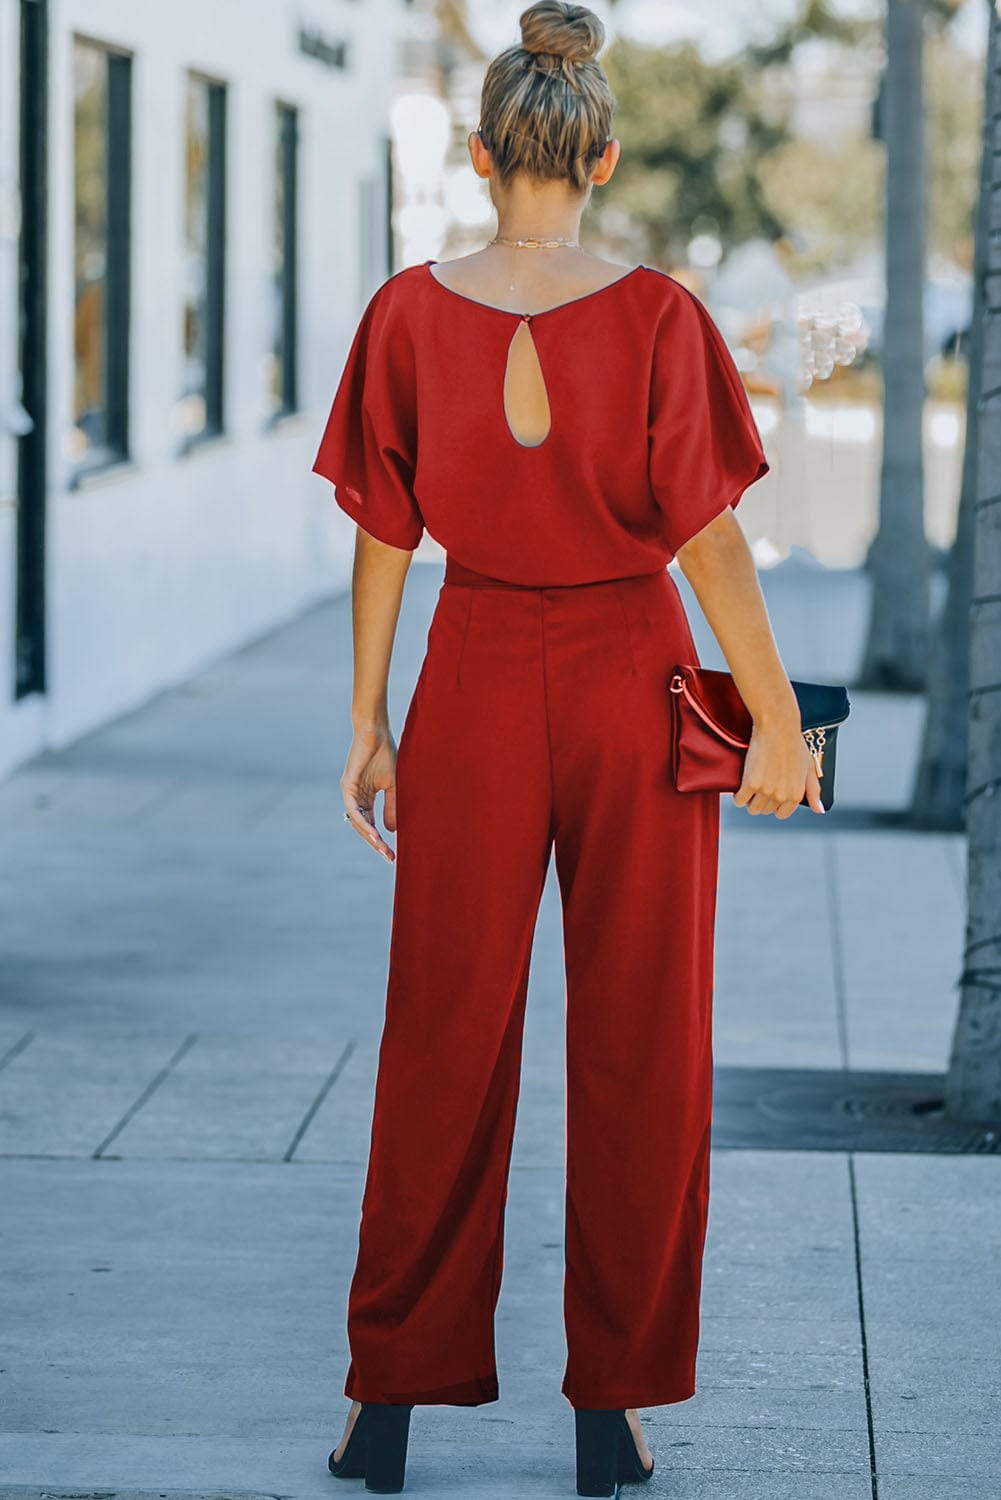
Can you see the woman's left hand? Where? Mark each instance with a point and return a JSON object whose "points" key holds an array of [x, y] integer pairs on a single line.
{"points": [[371, 768], [778, 772]]}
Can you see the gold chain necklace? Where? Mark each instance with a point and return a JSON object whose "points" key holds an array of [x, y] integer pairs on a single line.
{"points": [[534, 242]]}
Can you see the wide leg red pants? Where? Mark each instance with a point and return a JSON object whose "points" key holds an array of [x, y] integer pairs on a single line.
{"points": [[540, 718]]}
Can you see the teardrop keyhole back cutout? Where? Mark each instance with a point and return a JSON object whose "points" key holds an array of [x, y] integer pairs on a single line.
{"points": [[526, 400]]}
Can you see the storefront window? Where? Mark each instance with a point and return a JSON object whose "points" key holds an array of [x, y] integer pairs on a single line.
{"points": [[282, 392], [101, 182], [201, 406]]}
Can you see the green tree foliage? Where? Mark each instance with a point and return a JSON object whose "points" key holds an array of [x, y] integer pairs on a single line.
{"points": [[712, 144], [829, 198], [955, 97], [691, 132]]}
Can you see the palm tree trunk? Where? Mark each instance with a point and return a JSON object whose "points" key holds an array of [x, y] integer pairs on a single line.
{"points": [[899, 558], [940, 784], [973, 1084]]}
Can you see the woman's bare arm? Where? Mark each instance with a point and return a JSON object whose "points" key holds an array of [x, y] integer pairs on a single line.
{"points": [[377, 578], [778, 769]]}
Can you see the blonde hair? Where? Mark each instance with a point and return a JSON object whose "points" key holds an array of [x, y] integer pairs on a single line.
{"points": [[546, 107]]}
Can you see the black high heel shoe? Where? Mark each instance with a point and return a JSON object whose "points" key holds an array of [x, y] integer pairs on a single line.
{"points": [[376, 1451], [607, 1455]]}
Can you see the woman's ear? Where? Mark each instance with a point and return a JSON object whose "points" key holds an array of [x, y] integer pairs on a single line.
{"points": [[478, 153], [606, 162]]}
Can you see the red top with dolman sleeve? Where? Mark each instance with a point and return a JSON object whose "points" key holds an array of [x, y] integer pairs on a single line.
{"points": [[651, 433]]}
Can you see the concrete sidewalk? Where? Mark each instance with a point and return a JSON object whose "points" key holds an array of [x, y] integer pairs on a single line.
{"points": [[192, 978]]}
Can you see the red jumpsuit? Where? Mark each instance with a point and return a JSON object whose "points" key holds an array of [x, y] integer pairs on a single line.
{"points": [[539, 723]]}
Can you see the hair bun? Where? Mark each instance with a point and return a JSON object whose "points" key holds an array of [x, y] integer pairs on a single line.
{"points": [[569, 31]]}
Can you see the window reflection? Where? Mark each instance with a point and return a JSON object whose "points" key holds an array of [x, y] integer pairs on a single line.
{"points": [[204, 247], [90, 261], [282, 385], [101, 148]]}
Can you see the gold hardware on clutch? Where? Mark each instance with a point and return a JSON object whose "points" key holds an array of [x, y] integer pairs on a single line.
{"points": [[816, 739]]}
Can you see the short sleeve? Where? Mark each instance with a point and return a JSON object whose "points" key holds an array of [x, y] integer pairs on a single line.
{"points": [[369, 445], [704, 445]]}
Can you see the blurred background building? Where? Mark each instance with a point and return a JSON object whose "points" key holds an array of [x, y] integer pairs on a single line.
{"points": [[192, 213]]}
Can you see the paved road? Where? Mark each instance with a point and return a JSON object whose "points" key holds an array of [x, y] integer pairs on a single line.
{"points": [[192, 975]]}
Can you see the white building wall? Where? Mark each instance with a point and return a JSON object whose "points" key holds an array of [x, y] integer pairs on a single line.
{"points": [[158, 565]]}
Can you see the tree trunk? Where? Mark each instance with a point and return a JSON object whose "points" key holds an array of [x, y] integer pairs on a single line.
{"points": [[973, 1085], [940, 784], [899, 559]]}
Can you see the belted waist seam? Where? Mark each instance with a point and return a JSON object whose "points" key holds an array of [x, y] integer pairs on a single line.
{"points": [[458, 573]]}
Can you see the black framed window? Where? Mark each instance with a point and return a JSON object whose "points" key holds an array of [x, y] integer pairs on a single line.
{"points": [[283, 392], [102, 149], [201, 407]]}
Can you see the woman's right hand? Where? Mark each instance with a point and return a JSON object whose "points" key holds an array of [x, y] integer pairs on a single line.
{"points": [[778, 769], [371, 768]]}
